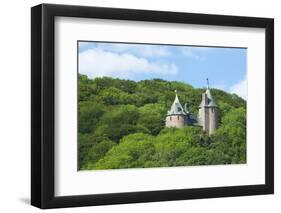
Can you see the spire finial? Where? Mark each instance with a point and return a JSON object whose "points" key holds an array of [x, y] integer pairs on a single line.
{"points": [[207, 83]]}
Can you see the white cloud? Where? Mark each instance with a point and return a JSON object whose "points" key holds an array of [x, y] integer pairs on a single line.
{"points": [[189, 53], [144, 50], [154, 51], [240, 88], [194, 51], [136, 49], [98, 62]]}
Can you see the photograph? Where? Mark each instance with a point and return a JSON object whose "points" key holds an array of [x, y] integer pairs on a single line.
{"points": [[139, 105], [160, 105]]}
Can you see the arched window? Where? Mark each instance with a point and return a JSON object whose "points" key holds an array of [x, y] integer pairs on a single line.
{"points": [[170, 118], [178, 117]]}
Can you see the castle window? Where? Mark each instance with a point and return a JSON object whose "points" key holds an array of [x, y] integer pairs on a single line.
{"points": [[170, 118], [178, 117]]}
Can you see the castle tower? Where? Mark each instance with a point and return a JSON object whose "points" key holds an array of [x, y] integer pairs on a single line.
{"points": [[176, 116], [208, 116]]}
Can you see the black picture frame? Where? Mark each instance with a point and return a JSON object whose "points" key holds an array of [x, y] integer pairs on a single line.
{"points": [[43, 102]]}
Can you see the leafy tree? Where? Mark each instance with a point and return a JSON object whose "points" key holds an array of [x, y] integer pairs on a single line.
{"points": [[118, 122], [97, 151], [121, 125], [114, 96], [85, 88], [151, 117], [134, 150], [230, 138], [89, 115]]}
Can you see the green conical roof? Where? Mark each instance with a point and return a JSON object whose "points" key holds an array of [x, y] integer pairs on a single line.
{"points": [[210, 102], [176, 108]]}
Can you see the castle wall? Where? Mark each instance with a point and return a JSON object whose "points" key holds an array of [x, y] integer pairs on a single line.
{"points": [[177, 121], [213, 119], [203, 118], [200, 117], [206, 120], [208, 114]]}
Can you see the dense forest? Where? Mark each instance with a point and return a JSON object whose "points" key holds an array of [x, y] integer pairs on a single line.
{"points": [[122, 125]]}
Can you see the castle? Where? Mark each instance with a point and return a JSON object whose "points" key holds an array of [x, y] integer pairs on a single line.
{"points": [[208, 114]]}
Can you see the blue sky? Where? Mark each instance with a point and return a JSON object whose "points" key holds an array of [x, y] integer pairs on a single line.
{"points": [[225, 67]]}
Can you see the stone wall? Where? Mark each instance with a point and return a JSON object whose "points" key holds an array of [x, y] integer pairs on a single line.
{"points": [[177, 121], [203, 118], [213, 119], [208, 118]]}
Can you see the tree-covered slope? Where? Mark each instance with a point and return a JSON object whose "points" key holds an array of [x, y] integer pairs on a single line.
{"points": [[121, 125]]}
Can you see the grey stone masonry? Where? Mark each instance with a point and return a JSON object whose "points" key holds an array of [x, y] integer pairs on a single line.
{"points": [[208, 115]]}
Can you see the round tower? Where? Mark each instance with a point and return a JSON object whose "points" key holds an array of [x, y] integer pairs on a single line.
{"points": [[177, 121], [213, 119], [208, 116], [176, 116]]}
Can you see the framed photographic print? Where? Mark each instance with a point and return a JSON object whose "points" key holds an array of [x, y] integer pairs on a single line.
{"points": [[139, 106]]}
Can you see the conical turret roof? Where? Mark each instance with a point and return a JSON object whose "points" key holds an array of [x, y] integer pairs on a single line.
{"points": [[210, 100], [176, 108]]}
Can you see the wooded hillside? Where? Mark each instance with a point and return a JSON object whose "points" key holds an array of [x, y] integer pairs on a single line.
{"points": [[122, 125]]}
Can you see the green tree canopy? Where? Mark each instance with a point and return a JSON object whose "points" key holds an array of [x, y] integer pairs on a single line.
{"points": [[122, 125]]}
